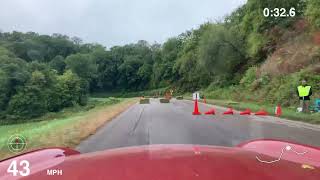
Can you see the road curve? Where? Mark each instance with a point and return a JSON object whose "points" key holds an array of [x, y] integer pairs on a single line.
{"points": [[173, 123]]}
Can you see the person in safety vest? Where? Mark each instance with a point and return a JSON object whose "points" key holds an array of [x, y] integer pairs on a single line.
{"points": [[304, 92]]}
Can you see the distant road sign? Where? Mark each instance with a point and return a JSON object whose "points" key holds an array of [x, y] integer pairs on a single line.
{"points": [[196, 95]]}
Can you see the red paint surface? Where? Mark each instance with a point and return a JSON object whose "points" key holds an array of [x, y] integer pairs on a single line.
{"points": [[278, 111], [164, 162], [210, 112], [273, 148], [246, 112], [261, 113], [39, 160], [228, 112]]}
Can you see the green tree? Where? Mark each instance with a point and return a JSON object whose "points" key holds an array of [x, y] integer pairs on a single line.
{"points": [[13, 74], [312, 12], [83, 65], [163, 67], [106, 78], [68, 89], [144, 73], [187, 71], [58, 64], [4, 90], [128, 73], [30, 100], [253, 25], [221, 54]]}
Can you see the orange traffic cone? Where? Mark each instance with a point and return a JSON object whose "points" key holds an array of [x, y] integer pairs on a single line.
{"points": [[246, 112], [229, 112], [210, 112], [278, 111], [261, 113], [196, 108]]}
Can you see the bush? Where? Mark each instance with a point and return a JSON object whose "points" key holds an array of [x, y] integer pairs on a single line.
{"points": [[29, 102], [249, 77], [221, 93], [54, 100], [111, 100], [255, 43], [89, 106], [69, 88]]}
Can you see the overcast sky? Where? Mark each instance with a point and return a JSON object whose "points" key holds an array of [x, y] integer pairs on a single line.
{"points": [[112, 22]]}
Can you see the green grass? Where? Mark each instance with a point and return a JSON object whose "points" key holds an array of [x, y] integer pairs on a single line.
{"points": [[56, 129], [92, 103], [51, 120], [288, 113], [145, 101], [30, 129]]}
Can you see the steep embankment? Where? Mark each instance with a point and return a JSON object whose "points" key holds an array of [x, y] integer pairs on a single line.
{"points": [[300, 52]]}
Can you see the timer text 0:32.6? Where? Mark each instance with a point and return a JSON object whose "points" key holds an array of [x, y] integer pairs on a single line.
{"points": [[279, 12]]}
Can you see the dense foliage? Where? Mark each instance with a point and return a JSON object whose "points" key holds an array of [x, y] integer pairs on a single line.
{"points": [[42, 73]]}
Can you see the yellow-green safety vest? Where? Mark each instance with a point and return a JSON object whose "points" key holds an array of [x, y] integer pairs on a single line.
{"points": [[304, 90]]}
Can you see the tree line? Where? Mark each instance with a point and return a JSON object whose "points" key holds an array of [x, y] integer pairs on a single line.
{"points": [[42, 73]]}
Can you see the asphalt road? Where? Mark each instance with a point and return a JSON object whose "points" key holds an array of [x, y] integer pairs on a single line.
{"points": [[174, 123]]}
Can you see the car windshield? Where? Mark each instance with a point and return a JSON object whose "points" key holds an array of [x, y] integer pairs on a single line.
{"points": [[95, 75]]}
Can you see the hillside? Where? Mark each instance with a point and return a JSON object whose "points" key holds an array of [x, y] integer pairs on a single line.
{"points": [[302, 51]]}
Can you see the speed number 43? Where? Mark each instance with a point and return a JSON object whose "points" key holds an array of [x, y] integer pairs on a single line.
{"points": [[21, 168]]}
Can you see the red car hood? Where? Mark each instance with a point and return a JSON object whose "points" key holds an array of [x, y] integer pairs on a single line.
{"points": [[174, 162]]}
